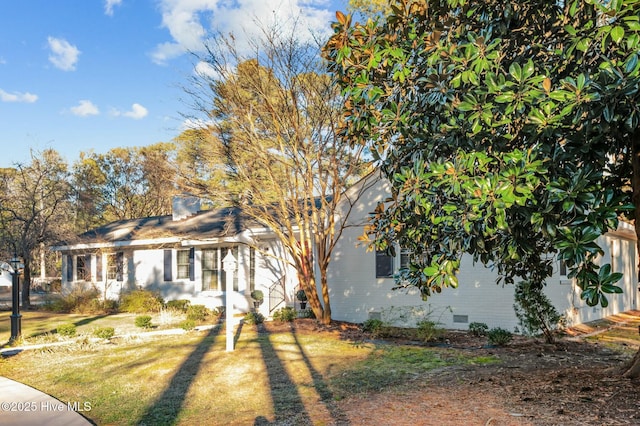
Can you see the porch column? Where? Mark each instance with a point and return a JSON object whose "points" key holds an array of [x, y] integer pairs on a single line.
{"points": [[229, 266]]}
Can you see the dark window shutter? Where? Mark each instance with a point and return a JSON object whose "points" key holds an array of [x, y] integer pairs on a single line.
{"points": [[384, 265], [168, 272], [69, 268], [119, 266], [192, 272]]}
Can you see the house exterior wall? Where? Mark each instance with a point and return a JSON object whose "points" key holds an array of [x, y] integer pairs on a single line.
{"points": [[357, 295], [144, 268]]}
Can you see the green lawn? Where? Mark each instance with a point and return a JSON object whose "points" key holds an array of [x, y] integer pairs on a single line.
{"points": [[191, 379]]}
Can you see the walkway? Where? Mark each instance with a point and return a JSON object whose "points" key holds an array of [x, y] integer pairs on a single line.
{"points": [[22, 405]]}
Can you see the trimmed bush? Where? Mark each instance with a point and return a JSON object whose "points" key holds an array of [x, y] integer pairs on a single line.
{"points": [[478, 329], [104, 332], [253, 318], [499, 336], [144, 321], [198, 313], [67, 330], [286, 314], [188, 325], [372, 325], [141, 302]]}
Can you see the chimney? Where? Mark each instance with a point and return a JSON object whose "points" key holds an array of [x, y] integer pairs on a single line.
{"points": [[184, 206]]}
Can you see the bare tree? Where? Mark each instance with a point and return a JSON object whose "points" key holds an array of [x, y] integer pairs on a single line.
{"points": [[34, 209], [272, 116]]}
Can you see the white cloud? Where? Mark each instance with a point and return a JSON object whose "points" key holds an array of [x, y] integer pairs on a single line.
{"points": [[137, 112], [18, 97], [109, 5], [188, 21], [63, 54], [85, 108]]}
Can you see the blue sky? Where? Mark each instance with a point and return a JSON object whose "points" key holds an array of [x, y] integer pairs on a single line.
{"points": [[82, 75]]}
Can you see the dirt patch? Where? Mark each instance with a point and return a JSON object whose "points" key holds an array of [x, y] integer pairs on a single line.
{"points": [[573, 382]]}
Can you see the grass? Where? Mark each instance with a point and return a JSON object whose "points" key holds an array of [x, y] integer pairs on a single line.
{"points": [[191, 379], [40, 326], [620, 332]]}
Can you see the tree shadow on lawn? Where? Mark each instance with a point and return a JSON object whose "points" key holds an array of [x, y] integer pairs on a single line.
{"points": [[168, 406], [287, 402]]}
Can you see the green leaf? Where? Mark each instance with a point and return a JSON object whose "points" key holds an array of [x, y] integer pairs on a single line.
{"points": [[617, 34], [505, 98]]}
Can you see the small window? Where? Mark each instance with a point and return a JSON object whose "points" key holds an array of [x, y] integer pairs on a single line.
{"points": [[183, 264], [405, 258], [384, 264], [83, 268], [99, 267], [115, 266], [563, 268]]}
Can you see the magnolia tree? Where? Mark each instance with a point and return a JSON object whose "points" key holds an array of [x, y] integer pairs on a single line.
{"points": [[508, 130]]}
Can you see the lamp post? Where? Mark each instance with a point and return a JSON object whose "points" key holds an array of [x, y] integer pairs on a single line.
{"points": [[16, 318]]}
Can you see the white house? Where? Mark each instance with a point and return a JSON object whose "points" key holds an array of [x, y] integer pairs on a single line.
{"points": [[361, 283], [181, 257]]}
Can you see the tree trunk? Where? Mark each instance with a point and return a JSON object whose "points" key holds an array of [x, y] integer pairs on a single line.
{"points": [[326, 317], [26, 286], [633, 369]]}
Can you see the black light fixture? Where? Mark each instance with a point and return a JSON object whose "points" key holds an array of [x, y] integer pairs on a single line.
{"points": [[16, 318]]}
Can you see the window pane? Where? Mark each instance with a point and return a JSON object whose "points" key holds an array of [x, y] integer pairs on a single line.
{"points": [[183, 264], [384, 265], [210, 271]]}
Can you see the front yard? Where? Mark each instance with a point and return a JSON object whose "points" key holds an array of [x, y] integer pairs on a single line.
{"points": [[283, 374]]}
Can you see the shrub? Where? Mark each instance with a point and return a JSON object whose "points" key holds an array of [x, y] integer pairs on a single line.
{"points": [[178, 305], [188, 324], [144, 321], [428, 331], [67, 330], [257, 295], [307, 313], [141, 301], [535, 312], [198, 313], [252, 318], [104, 332], [286, 314], [478, 329], [80, 300], [499, 336], [372, 325], [218, 311]]}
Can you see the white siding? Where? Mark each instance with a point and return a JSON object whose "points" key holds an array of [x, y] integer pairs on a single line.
{"points": [[356, 293]]}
